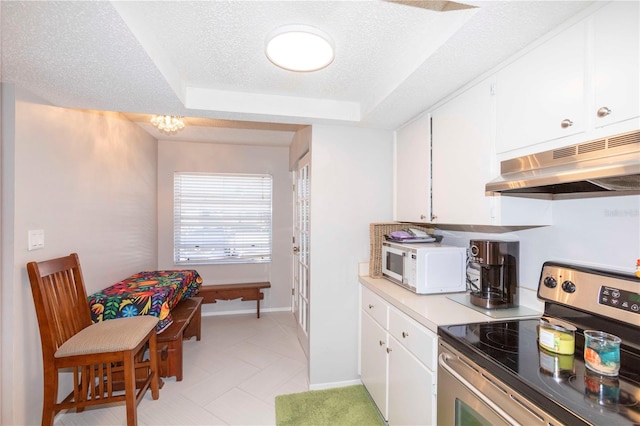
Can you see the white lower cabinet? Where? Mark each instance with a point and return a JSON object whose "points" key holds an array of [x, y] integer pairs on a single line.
{"points": [[374, 361], [398, 363], [412, 397]]}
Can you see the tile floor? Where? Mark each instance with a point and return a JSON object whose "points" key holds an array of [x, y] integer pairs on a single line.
{"points": [[231, 376]]}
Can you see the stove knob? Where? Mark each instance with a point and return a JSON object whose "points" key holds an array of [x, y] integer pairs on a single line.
{"points": [[550, 282], [568, 286]]}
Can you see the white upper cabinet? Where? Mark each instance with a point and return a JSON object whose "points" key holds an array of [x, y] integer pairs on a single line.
{"points": [[462, 157], [573, 87], [580, 84], [616, 41], [541, 96], [412, 171], [464, 161]]}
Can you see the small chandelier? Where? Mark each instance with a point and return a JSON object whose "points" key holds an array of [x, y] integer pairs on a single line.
{"points": [[168, 124]]}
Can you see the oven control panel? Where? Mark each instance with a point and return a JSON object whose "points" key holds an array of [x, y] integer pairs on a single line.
{"points": [[605, 293], [620, 299]]}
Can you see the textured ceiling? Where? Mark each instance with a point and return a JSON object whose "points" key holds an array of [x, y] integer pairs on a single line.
{"points": [[206, 58]]}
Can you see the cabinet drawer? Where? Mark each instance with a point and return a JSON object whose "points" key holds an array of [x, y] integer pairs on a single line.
{"points": [[422, 343], [375, 306]]}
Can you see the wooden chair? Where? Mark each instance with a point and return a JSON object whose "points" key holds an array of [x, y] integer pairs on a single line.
{"points": [[94, 352]]}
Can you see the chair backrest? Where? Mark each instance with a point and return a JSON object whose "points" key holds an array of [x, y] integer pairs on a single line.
{"points": [[60, 300]]}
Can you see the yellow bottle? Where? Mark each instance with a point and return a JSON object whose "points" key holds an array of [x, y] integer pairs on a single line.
{"points": [[638, 268]]}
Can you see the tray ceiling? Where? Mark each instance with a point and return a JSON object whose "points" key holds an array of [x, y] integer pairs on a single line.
{"points": [[205, 59]]}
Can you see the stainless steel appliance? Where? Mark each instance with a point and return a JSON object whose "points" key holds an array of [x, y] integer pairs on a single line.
{"points": [[496, 373], [493, 274], [610, 164]]}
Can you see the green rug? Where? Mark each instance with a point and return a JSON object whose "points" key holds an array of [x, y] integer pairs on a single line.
{"points": [[349, 405]]}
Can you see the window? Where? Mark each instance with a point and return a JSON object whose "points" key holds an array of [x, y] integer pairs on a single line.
{"points": [[222, 218]]}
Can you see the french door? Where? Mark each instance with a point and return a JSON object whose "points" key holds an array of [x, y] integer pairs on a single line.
{"points": [[301, 271]]}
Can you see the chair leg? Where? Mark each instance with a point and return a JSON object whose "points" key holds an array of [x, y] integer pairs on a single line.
{"points": [[50, 395], [130, 389], [153, 360], [80, 381]]}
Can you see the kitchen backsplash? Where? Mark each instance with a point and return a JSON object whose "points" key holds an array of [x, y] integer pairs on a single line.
{"points": [[601, 232]]}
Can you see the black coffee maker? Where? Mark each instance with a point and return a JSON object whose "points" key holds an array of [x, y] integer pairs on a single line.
{"points": [[492, 273]]}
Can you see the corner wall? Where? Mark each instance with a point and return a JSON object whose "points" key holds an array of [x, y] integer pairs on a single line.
{"points": [[351, 187], [88, 180]]}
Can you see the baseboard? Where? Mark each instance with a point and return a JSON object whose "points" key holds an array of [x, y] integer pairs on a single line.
{"points": [[245, 311], [322, 386]]}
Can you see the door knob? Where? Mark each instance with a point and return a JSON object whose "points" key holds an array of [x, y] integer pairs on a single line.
{"points": [[296, 249]]}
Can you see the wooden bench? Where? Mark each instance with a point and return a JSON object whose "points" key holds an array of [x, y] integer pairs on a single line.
{"points": [[187, 320], [246, 291]]}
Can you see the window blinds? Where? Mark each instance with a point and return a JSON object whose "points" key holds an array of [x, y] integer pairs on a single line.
{"points": [[222, 218]]}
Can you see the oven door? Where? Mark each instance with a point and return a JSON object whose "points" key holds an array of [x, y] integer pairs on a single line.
{"points": [[458, 405], [468, 395], [393, 263]]}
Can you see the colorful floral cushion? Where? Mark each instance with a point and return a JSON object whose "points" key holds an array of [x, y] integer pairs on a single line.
{"points": [[145, 293]]}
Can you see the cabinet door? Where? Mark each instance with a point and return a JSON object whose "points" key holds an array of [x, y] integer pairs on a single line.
{"points": [[373, 361], [538, 91], [463, 156], [616, 63], [411, 389], [412, 170]]}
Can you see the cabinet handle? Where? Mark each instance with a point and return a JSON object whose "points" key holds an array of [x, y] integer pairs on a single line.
{"points": [[434, 217], [566, 123], [405, 334], [381, 342], [422, 217], [370, 306], [603, 112], [388, 350]]}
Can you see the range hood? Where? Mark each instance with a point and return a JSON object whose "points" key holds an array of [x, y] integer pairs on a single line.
{"points": [[607, 165]]}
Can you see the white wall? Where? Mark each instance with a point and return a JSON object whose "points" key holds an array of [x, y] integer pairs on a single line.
{"points": [[602, 232], [221, 158], [299, 146], [351, 186], [88, 180]]}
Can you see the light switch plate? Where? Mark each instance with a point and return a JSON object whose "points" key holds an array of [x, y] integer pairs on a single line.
{"points": [[35, 239]]}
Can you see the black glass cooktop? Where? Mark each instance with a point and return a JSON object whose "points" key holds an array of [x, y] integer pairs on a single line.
{"points": [[558, 383]]}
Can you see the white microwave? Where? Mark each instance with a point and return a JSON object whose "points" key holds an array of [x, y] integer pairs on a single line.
{"points": [[425, 268]]}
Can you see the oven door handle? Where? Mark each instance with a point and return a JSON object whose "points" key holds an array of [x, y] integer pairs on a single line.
{"points": [[444, 358]]}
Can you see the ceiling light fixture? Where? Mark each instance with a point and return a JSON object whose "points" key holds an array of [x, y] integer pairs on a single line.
{"points": [[299, 48], [168, 124]]}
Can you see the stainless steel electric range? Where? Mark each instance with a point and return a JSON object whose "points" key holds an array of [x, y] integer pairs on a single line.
{"points": [[497, 373]]}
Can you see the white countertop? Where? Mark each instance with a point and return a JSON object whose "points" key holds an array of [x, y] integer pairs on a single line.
{"points": [[429, 310]]}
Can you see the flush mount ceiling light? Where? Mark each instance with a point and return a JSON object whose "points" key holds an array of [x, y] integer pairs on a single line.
{"points": [[168, 124], [299, 48]]}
